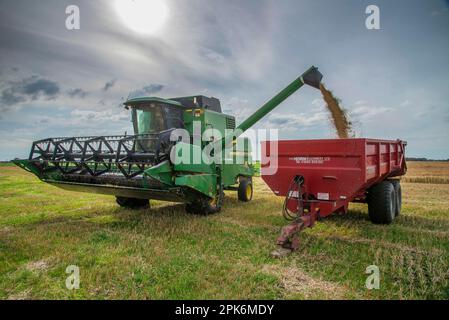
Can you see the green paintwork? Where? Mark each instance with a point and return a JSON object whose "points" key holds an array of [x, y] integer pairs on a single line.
{"points": [[191, 164], [231, 172], [162, 172], [213, 120], [204, 183], [28, 166]]}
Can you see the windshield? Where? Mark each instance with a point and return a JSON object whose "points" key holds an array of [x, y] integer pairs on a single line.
{"points": [[148, 118]]}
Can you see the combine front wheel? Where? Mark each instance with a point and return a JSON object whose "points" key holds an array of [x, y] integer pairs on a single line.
{"points": [[206, 206]]}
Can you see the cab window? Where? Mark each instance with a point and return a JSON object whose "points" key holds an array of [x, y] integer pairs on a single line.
{"points": [[148, 119]]}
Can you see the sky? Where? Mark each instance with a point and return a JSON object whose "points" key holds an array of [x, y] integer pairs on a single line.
{"points": [[393, 82]]}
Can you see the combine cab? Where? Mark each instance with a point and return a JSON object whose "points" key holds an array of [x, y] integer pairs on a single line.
{"points": [[183, 150]]}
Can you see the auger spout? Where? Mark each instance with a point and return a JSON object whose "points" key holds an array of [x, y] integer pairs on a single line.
{"points": [[312, 77]]}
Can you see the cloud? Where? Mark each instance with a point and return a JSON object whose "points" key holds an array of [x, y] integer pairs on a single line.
{"points": [[90, 116], [77, 93], [108, 85], [28, 89], [295, 121], [234, 49], [153, 88], [439, 12], [360, 103], [405, 103], [213, 56], [238, 107], [146, 90], [318, 103], [367, 112]]}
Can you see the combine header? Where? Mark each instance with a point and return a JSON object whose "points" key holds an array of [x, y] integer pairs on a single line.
{"points": [[145, 165]]}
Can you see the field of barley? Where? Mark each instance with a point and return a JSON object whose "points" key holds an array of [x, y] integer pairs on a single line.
{"points": [[164, 253]]}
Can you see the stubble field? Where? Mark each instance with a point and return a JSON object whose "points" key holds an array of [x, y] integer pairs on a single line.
{"points": [[164, 253]]}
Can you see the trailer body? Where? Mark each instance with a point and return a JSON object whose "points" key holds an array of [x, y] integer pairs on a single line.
{"points": [[335, 171], [321, 177]]}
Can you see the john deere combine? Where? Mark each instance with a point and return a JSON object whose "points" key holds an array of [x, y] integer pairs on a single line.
{"points": [[183, 150]]}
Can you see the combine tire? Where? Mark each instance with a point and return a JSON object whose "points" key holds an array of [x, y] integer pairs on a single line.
{"points": [[132, 203], [382, 203], [245, 192], [206, 206], [398, 191]]}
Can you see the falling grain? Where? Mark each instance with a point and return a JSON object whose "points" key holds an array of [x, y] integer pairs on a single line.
{"points": [[339, 117]]}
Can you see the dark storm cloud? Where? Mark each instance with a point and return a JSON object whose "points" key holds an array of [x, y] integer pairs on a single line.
{"points": [[28, 89], [153, 88], [146, 90], [280, 121], [77, 93], [108, 85]]}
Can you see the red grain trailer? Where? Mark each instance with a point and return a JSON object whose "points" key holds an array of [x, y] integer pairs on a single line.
{"points": [[320, 177]]}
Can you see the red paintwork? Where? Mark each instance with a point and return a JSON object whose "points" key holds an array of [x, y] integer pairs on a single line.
{"points": [[335, 171]]}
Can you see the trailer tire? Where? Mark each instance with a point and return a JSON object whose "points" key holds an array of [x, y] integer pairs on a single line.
{"points": [[132, 203], [245, 192], [398, 190], [382, 203]]}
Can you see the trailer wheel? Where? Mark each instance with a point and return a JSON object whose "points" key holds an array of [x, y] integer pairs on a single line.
{"points": [[245, 192], [132, 203], [398, 191], [382, 203]]}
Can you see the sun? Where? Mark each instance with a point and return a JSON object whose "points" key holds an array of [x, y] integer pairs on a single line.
{"points": [[142, 16]]}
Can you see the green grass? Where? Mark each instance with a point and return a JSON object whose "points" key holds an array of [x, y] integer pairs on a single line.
{"points": [[163, 253], [6, 164]]}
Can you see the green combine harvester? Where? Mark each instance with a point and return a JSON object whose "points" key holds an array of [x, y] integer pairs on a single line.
{"points": [[168, 157]]}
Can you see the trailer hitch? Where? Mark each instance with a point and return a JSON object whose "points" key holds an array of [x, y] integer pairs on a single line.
{"points": [[288, 241], [300, 218]]}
